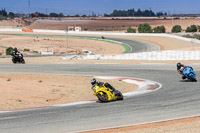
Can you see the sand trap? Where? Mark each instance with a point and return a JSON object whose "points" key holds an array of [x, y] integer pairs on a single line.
{"points": [[27, 91]]}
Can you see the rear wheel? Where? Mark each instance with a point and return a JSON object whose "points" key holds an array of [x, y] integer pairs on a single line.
{"points": [[23, 61], [102, 97]]}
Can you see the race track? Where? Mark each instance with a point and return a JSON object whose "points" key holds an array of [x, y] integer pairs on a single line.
{"points": [[136, 45], [176, 99]]}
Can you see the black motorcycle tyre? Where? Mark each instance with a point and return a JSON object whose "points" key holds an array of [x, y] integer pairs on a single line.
{"points": [[120, 96], [193, 78], [14, 61], [103, 97], [22, 61]]}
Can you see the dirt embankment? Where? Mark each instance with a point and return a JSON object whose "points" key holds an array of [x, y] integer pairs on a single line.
{"points": [[120, 25], [13, 23]]}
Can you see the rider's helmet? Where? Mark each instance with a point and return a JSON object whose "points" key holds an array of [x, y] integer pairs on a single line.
{"points": [[179, 65], [93, 81], [15, 49]]}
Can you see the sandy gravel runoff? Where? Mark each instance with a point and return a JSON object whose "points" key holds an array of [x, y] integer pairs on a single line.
{"points": [[28, 91], [60, 45], [191, 125]]}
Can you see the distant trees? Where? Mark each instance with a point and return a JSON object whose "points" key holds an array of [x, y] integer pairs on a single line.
{"points": [[176, 29], [117, 13], [133, 13], [53, 14], [77, 15], [3, 12], [11, 15], [37, 14], [161, 14], [145, 28], [60, 15], [131, 30], [130, 12], [192, 28], [159, 29]]}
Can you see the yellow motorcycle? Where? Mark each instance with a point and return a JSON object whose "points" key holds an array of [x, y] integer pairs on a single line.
{"points": [[105, 94]]}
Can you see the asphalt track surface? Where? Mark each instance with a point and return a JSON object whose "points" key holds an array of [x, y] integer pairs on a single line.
{"points": [[176, 99], [136, 45]]}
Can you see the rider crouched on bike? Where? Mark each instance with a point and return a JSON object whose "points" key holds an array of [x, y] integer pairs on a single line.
{"points": [[94, 83], [180, 68], [15, 52]]}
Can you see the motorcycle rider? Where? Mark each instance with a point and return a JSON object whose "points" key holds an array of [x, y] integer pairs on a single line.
{"points": [[94, 83], [20, 54], [180, 68], [15, 52]]}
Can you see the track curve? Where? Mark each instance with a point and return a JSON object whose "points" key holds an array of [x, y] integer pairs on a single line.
{"points": [[136, 45], [176, 99]]}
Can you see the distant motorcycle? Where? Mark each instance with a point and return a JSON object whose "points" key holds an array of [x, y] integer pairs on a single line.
{"points": [[105, 94], [102, 37], [189, 73], [18, 58]]}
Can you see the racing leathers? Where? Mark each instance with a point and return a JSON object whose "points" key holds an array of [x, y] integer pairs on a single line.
{"points": [[103, 84], [180, 70], [15, 53]]}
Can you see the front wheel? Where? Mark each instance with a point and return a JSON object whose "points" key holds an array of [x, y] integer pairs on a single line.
{"points": [[193, 78], [102, 97], [13, 60], [120, 96], [23, 61]]}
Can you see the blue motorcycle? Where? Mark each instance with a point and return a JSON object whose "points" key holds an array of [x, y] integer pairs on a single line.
{"points": [[189, 73]]}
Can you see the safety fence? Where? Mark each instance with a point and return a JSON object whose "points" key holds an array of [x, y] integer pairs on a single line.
{"points": [[155, 55]]}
